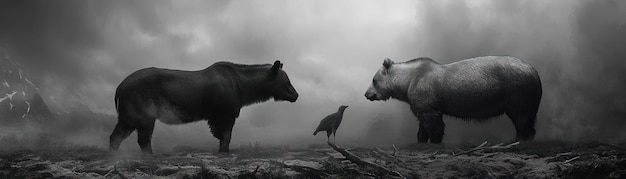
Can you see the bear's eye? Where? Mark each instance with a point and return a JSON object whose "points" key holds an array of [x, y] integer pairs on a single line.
{"points": [[375, 82]]}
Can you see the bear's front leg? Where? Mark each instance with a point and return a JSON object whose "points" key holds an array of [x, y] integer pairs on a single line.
{"points": [[226, 133], [433, 123]]}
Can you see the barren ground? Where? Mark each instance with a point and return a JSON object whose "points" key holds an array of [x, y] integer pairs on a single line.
{"points": [[526, 160]]}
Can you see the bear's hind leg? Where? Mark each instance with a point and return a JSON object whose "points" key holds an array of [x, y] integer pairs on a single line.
{"points": [[422, 135], [433, 123], [524, 126], [121, 132]]}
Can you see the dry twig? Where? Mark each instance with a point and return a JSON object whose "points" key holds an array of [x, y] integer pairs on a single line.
{"points": [[572, 159], [108, 173], [483, 147], [357, 160], [395, 150], [388, 156]]}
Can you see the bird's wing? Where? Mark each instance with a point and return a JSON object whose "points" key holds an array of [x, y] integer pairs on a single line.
{"points": [[337, 121], [326, 122]]}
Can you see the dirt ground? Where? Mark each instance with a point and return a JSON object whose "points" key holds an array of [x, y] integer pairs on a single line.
{"points": [[526, 160]]}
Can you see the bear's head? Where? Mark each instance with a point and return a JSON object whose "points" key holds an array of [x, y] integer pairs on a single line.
{"points": [[381, 86], [279, 85]]}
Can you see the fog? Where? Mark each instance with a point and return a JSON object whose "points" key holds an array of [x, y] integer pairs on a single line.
{"points": [[79, 51]]}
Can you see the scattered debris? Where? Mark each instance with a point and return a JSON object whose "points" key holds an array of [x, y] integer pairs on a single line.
{"points": [[483, 161], [364, 163], [572, 159], [395, 150], [483, 147]]}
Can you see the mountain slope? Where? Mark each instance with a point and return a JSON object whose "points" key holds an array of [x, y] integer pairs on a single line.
{"points": [[19, 97]]}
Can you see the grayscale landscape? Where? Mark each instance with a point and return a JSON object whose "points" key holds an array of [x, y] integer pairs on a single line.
{"points": [[61, 63]]}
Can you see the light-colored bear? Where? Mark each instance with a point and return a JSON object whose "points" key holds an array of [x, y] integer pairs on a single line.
{"points": [[473, 89]]}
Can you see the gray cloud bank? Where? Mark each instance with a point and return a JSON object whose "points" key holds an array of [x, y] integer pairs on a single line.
{"points": [[81, 50]]}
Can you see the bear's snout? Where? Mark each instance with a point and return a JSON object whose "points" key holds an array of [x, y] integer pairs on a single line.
{"points": [[371, 96]]}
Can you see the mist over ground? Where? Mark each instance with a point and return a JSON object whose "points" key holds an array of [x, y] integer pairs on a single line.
{"points": [[79, 51]]}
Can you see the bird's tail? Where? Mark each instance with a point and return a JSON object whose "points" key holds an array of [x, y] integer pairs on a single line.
{"points": [[315, 133]]}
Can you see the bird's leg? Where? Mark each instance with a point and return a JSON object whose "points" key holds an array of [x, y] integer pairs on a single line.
{"points": [[334, 138], [332, 131], [328, 136]]}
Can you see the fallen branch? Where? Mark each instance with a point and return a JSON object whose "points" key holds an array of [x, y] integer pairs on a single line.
{"points": [[483, 147], [357, 160]]}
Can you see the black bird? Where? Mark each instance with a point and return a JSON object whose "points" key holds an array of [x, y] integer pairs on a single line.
{"points": [[331, 122]]}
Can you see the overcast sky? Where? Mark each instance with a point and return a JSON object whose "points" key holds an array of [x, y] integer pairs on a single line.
{"points": [[79, 51]]}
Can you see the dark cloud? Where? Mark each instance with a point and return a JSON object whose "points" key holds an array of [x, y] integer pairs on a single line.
{"points": [[48, 34], [80, 46], [82, 49]]}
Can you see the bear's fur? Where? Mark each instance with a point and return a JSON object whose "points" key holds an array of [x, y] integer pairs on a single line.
{"points": [[215, 94], [474, 89]]}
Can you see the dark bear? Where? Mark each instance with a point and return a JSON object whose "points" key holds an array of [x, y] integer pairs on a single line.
{"points": [[215, 94], [474, 89]]}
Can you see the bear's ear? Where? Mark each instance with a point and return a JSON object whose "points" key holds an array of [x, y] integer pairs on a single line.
{"points": [[387, 63], [277, 66]]}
